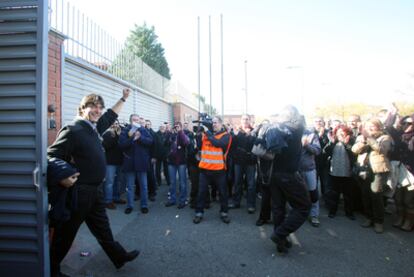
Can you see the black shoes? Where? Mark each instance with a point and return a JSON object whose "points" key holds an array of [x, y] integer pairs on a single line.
{"points": [[282, 244], [144, 210], [350, 216], [128, 210], [169, 204], [129, 256], [181, 206], [225, 218], [331, 214], [197, 219], [260, 222], [234, 206]]}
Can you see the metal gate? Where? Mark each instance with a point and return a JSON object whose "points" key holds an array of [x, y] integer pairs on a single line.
{"points": [[23, 96]]}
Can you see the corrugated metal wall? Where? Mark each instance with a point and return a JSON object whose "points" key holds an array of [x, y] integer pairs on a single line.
{"points": [[80, 79], [23, 95]]}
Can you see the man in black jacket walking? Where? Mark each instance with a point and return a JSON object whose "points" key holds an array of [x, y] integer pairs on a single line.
{"points": [[80, 143]]}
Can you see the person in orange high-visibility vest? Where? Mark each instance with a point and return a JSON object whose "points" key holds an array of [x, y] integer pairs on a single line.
{"points": [[214, 149]]}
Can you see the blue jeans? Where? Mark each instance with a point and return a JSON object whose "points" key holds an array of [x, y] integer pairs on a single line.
{"points": [[249, 171], [182, 177], [312, 185], [113, 183], [143, 186]]}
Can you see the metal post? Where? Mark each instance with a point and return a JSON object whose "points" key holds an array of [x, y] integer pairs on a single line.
{"points": [[209, 55], [222, 70], [198, 63]]}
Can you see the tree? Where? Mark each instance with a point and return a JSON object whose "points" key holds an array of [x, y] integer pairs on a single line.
{"points": [[143, 42]]}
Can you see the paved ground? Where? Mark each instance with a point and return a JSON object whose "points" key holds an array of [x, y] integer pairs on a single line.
{"points": [[171, 245]]}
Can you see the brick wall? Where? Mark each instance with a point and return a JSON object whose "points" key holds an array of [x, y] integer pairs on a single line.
{"points": [[182, 112], [54, 82]]}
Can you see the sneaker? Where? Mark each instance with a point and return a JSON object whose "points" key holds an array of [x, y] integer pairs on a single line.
{"points": [[378, 228], [282, 244], [151, 198], [331, 214], [129, 256], [251, 210], [128, 210], [225, 218], [169, 204], [110, 206], [144, 210], [367, 223], [314, 220]]}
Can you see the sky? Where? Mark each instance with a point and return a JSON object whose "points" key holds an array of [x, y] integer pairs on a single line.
{"points": [[305, 53]]}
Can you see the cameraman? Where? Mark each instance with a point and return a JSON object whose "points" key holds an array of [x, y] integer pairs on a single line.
{"points": [[215, 145]]}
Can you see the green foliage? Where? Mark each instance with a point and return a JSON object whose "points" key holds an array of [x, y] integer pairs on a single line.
{"points": [[143, 42]]}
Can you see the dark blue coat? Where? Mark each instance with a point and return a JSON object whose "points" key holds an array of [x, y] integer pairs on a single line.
{"points": [[136, 153]]}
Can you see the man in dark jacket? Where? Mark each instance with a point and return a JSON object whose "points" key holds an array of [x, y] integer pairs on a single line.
{"points": [[286, 184], [152, 185], [161, 153], [80, 142], [136, 141], [114, 158], [244, 165]]}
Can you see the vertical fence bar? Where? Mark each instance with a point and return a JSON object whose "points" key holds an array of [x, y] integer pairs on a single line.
{"points": [[77, 36], [67, 26], [63, 6], [83, 34], [56, 14], [87, 40]]}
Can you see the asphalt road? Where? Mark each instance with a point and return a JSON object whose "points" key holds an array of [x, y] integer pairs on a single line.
{"points": [[171, 245]]}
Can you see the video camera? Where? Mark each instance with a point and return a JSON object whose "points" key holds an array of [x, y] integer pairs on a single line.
{"points": [[205, 120]]}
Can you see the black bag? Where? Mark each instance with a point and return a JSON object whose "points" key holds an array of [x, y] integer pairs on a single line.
{"points": [[363, 172]]}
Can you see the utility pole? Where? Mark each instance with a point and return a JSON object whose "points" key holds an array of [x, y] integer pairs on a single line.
{"points": [[222, 70], [198, 61], [209, 54]]}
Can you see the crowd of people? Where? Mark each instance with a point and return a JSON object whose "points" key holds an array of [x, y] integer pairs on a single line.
{"points": [[288, 164]]}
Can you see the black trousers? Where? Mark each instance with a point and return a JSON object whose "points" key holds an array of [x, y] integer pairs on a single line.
{"points": [[164, 165], [289, 188], [341, 185], [152, 185], [91, 209], [213, 178], [266, 205]]}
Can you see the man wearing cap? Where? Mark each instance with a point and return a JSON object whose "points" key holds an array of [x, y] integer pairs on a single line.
{"points": [[80, 143]]}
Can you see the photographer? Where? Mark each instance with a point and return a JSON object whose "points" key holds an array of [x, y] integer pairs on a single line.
{"points": [[215, 145]]}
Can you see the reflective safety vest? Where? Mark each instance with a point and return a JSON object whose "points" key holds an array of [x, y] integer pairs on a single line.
{"points": [[213, 158]]}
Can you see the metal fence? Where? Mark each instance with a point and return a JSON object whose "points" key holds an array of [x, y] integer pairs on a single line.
{"points": [[88, 41]]}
